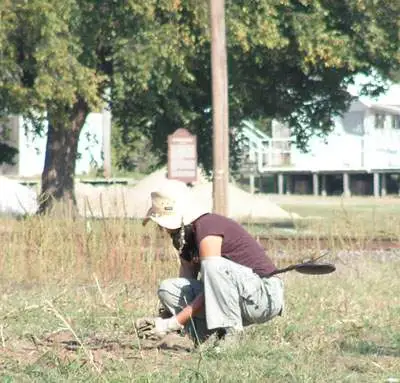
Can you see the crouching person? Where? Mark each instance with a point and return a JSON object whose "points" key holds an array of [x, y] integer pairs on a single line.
{"points": [[223, 283]]}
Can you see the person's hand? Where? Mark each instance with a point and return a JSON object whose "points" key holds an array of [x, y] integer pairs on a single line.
{"points": [[151, 328]]}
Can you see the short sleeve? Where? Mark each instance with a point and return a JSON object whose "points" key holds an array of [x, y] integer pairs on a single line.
{"points": [[207, 225]]}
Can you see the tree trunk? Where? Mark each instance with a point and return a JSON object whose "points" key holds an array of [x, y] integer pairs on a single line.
{"points": [[57, 192]]}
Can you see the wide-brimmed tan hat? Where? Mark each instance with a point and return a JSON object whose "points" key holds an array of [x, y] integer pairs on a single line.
{"points": [[172, 204]]}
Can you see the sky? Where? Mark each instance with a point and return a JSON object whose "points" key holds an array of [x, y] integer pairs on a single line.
{"points": [[391, 97]]}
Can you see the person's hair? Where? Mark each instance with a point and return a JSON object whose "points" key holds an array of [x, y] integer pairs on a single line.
{"points": [[183, 239]]}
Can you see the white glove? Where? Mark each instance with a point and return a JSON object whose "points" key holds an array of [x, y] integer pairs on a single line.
{"points": [[156, 327], [167, 325]]}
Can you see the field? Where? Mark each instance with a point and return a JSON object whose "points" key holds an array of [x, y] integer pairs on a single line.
{"points": [[70, 291]]}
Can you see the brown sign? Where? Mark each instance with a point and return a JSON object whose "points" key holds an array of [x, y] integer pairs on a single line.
{"points": [[182, 156]]}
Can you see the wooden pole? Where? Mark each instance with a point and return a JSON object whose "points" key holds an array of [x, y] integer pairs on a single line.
{"points": [[219, 107]]}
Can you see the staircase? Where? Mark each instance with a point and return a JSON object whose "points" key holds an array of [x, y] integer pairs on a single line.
{"points": [[264, 152]]}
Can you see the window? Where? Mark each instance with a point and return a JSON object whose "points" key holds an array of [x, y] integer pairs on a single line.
{"points": [[379, 120]]}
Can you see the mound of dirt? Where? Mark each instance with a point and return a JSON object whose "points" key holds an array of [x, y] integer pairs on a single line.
{"points": [[243, 205], [134, 201], [120, 200]]}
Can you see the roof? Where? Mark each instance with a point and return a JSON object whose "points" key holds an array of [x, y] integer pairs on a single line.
{"points": [[386, 108], [361, 104], [386, 102]]}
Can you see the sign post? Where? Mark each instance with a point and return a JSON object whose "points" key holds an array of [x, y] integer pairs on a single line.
{"points": [[182, 156]]}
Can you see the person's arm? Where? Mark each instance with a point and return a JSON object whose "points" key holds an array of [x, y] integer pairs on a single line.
{"points": [[209, 246]]}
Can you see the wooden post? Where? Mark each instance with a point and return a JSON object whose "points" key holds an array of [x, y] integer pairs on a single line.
{"points": [[346, 185], [219, 107], [289, 184], [280, 183], [383, 185], [260, 184], [315, 184], [251, 183], [376, 184], [398, 184], [323, 185]]}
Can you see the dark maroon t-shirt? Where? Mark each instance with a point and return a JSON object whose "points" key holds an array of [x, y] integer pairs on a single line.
{"points": [[237, 244]]}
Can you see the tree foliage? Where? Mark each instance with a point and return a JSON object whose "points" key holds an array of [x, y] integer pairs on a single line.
{"points": [[57, 60], [150, 60], [130, 152], [288, 59], [7, 151], [7, 154], [42, 58]]}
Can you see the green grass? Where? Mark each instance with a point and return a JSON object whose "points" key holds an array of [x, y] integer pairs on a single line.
{"points": [[361, 210], [341, 327], [362, 217], [69, 292]]}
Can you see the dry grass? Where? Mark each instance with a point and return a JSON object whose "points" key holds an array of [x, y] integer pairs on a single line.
{"points": [[43, 250], [71, 289]]}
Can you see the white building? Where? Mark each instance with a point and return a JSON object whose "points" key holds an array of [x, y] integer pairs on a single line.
{"points": [[361, 155], [32, 148]]}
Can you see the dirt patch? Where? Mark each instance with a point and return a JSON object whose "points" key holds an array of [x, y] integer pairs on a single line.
{"points": [[63, 346]]}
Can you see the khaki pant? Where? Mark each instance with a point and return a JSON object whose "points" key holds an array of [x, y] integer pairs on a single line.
{"points": [[234, 296]]}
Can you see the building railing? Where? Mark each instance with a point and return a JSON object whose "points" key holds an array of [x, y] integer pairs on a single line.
{"points": [[365, 153], [274, 152]]}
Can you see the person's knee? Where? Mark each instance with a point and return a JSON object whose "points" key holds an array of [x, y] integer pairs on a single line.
{"points": [[166, 291], [176, 293]]}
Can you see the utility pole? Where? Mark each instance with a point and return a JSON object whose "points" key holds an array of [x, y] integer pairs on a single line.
{"points": [[219, 108]]}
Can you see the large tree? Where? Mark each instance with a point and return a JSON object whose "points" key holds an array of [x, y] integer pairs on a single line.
{"points": [[287, 59], [58, 60], [46, 79]]}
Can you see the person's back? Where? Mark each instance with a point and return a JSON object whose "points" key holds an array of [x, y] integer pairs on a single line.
{"points": [[237, 245]]}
